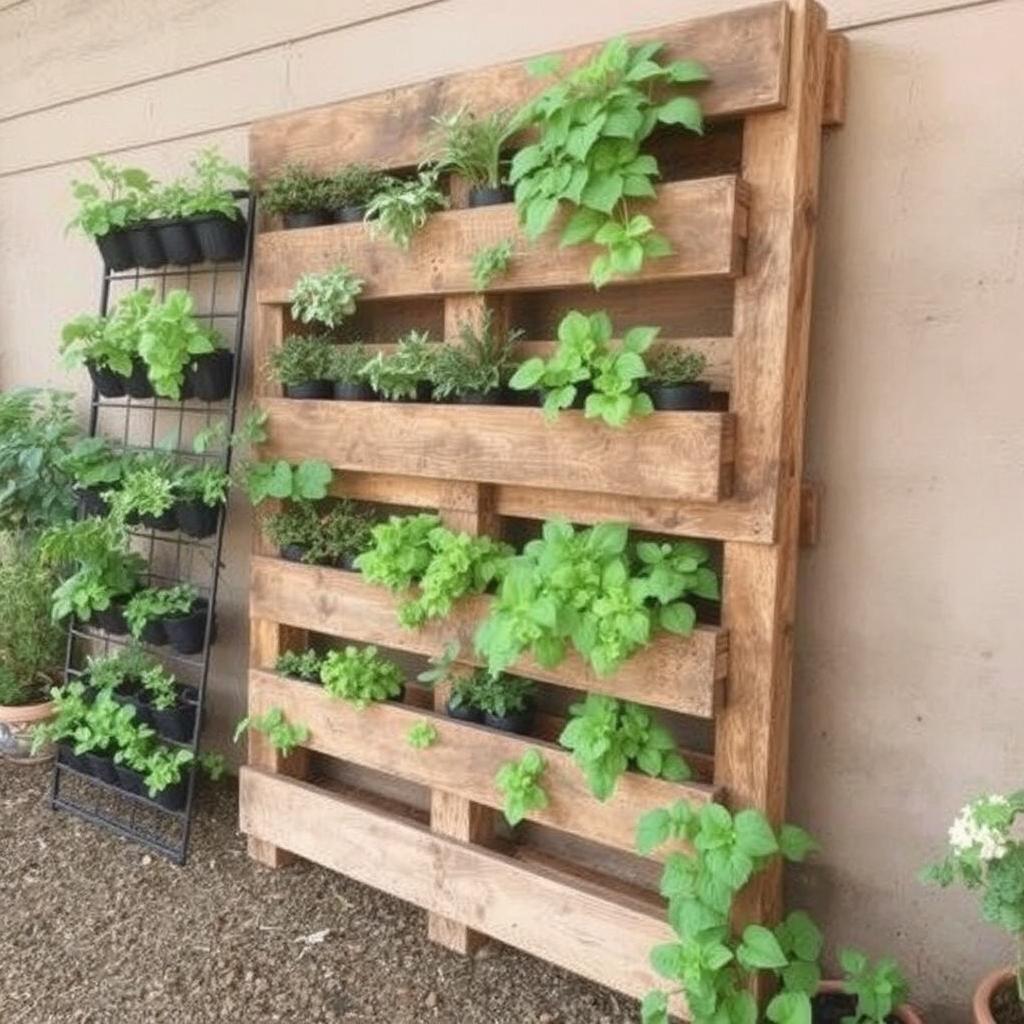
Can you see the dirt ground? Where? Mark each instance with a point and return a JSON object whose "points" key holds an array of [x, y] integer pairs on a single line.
{"points": [[94, 930]]}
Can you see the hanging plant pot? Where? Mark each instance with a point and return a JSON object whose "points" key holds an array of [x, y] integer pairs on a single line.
{"points": [[91, 502], [165, 522], [464, 713], [349, 214], [177, 723], [153, 633], [221, 238], [116, 250], [358, 392], [111, 620], [101, 766], [146, 248], [108, 382], [137, 382], [173, 797], [130, 780], [292, 552], [519, 722], [693, 397], [306, 219], [310, 389], [178, 241], [487, 195], [186, 633], [208, 377], [196, 518]]}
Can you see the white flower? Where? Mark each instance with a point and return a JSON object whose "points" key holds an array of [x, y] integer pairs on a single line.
{"points": [[968, 834]]}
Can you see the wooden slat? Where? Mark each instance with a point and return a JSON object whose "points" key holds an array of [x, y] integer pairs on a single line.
{"points": [[704, 220], [667, 455], [745, 50], [583, 928], [465, 760], [837, 72], [676, 673]]}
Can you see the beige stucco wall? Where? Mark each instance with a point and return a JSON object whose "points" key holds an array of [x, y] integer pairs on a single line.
{"points": [[909, 652]]}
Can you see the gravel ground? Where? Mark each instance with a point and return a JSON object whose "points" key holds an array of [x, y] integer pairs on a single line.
{"points": [[94, 931]]}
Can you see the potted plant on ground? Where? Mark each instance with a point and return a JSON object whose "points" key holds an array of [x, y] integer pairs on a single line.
{"points": [[299, 197], [211, 208], [673, 380], [202, 492], [401, 207], [95, 468], [327, 299], [361, 676], [474, 371], [471, 146], [987, 857], [350, 191], [302, 365], [405, 375], [345, 372], [31, 648]]}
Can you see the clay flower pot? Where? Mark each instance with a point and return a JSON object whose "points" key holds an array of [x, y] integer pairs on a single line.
{"points": [[906, 1013], [983, 994], [16, 732]]}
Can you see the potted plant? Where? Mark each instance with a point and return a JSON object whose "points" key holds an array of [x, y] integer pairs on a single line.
{"points": [[361, 676], [97, 735], [184, 619], [345, 372], [406, 374], [134, 743], [474, 371], [471, 146], [343, 533], [673, 380], [302, 366], [299, 197], [148, 493], [328, 298], [172, 707], [31, 649], [304, 665], [293, 530], [401, 207], [69, 706], [179, 242], [202, 492], [166, 772], [985, 856], [86, 341], [506, 701], [211, 208], [95, 468], [350, 191], [121, 674]]}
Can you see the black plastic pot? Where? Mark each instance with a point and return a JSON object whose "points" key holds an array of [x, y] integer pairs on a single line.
{"points": [[101, 766], [485, 195], [310, 389], [185, 633], [349, 214], [111, 620], [292, 552], [177, 723], [221, 239], [165, 522], [358, 392], [518, 722], [146, 248], [479, 398], [464, 713], [208, 377], [116, 250], [178, 241], [173, 797], [348, 562], [306, 219], [424, 391], [66, 756], [137, 382], [154, 633], [109, 383], [531, 399], [693, 397], [90, 502], [130, 780], [196, 518]]}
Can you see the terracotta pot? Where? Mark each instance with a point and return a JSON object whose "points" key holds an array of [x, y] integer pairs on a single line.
{"points": [[16, 732], [983, 994], [906, 1013]]}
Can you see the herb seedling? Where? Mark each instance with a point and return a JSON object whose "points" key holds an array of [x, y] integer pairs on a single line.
{"points": [[519, 783]]}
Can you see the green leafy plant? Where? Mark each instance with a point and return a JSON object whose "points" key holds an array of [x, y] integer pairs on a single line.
{"points": [[113, 670], [284, 736], [88, 339], [592, 124], [300, 664], [213, 765], [160, 687], [479, 363], [675, 366], [69, 710], [205, 483], [170, 337], [422, 734], [880, 988], [353, 185], [519, 784], [328, 298], [401, 207], [607, 736], [399, 551], [304, 481], [149, 486], [296, 190], [490, 262], [93, 462], [345, 363], [300, 359], [470, 145], [360, 675], [155, 603], [124, 196], [398, 375], [164, 767], [501, 695], [326, 535], [296, 524], [213, 178]]}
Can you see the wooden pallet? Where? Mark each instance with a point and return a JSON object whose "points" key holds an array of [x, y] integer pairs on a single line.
{"points": [[740, 211]]}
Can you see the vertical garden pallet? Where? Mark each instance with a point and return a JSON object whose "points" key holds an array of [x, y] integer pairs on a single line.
{"points": [[739, 207]]}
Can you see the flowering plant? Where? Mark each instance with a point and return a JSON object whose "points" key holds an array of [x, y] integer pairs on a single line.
{"points": [[983, 854]]}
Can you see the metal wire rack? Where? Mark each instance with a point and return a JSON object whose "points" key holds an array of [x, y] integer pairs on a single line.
{"points": [[220, 293]]}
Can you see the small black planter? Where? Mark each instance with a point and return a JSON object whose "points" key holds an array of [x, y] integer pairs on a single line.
{"points": [[178, 241], [208, 377], [154, 633], [463, 713], [493, 397], [485, 195], [66, 756], [90, 502], [173, 797], [292, 552], [693, 397], [580, 401], [165, 522], [221, 239], [519, 722], [310, 389], [109, 383], [349, 214], [146, 248], [306, 219], [102, 766], [116, 250], [185, 633], [196, 518], [137, 383], [177, 723], [111, 620], [529, 399], [348, 562], [359, 392], [130, 780]]}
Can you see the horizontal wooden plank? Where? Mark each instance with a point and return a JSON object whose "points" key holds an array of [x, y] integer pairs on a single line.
{"points": [[667, 455], [746, 52], [465, 759], [704, 220], [677, 673], [577, 925]]}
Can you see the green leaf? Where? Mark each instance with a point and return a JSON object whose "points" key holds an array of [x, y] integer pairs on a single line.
{"points": [[679, 618], [684, 110], [603, 192], [760, 950], [582, 226], [669, 960], [789, 1008], [654, 1009], [528, 374], [682, 72], [312, 478], [539, 214], [754, 836], [801, 977], [795, 843], [853, 961], [539, 67], [653, 829]]}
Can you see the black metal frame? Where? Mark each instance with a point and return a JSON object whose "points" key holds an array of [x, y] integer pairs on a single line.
{"points": [[133, 817]]}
